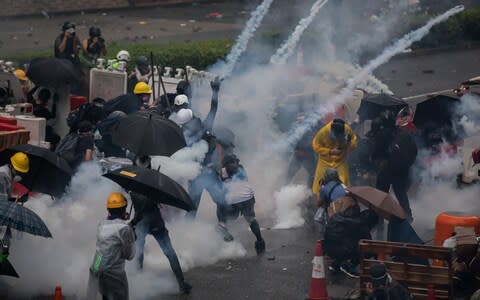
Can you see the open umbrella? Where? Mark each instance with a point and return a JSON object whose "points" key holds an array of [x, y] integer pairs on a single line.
{"points": [[49, 174], [53, 72], [377, 200], [152, 184], [438, 110], [6, 269], [18, 217], [148, 133], [374, 104]]}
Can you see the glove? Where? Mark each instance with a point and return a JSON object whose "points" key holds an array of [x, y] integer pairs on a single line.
{"points": [[215, 84]]}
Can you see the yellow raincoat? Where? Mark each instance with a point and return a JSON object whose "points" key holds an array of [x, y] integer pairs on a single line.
{"points": [[322, 144]]}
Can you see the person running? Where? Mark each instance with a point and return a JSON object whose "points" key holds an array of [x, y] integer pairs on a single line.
{"points": [[239, 199]]}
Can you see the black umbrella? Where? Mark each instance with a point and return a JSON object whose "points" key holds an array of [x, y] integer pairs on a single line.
{"points": [[23, 219], [152, 184], [439, 110], [374, 104], [147, 133], [53, 72], [6, 269], [49, 173]]}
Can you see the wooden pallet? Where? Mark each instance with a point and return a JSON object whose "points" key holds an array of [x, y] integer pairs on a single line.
{"points": [[10, 139]]}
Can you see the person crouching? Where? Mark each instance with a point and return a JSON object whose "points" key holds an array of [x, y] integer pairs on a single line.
{"points": [[115, 244], [239, 198]]}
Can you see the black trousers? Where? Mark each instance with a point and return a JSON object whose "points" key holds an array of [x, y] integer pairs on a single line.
{"points": [[399, 180]]}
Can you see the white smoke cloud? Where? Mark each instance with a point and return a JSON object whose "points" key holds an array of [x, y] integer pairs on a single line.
{"points": [[288, 212]]}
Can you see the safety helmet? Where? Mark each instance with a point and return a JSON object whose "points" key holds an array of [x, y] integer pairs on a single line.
{"points": [[123, 55], [20, 162], [180, 100], [142, 88], [21, 74], [330, 175], [141, 60], [94, 31], [116, 200]]}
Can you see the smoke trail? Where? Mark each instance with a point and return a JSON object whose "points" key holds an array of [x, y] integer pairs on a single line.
{"points": [[242, 41], [295, 134], [286, 50]]}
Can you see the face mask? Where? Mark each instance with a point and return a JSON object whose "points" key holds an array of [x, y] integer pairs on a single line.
{"points": [[17, 178], [71, 30]]}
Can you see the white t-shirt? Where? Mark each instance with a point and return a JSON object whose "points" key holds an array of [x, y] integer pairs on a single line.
{"points": [[182, 117], [238, 191]]}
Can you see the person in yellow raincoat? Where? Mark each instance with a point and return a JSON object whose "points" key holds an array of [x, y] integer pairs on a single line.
{"points": [[332, 144]]}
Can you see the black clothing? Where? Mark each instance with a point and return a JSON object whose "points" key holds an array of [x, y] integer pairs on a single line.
{"points": [[393, 291], [128, 103], [69, 52]]}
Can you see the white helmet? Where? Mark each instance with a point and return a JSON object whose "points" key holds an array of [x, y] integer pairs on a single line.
{"points": [[123, 55], [180, 100], [182, 117]]}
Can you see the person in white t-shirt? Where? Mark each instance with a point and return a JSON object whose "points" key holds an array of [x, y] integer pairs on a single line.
{"points": [[239, 199]]}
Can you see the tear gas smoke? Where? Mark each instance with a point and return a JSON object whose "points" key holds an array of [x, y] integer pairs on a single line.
{"points": [[183, 165], [468, 112], [288, 47], [226, 67], [287, 202], [297, 132], [73, 220]]}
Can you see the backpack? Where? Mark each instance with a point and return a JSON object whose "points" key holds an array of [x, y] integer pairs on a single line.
{"points": [[66, 147]]}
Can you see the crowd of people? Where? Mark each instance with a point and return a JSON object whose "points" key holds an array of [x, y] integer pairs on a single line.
{"points": [[393, 152]]}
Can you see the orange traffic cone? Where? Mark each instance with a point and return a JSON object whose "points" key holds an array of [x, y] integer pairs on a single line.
{"points": [[431, 293], [58, 293], [318, 287]]}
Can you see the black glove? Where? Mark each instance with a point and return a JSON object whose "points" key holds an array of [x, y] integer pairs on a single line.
{"points": [[215, 84]]}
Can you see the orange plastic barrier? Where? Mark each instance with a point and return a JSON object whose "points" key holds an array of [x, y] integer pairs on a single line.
{"points": [[447, 221]]}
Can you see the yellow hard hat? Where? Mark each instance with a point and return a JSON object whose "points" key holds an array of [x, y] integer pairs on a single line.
{"points": [[21, 74], [116, 200], [142, 88], [20, 162]]}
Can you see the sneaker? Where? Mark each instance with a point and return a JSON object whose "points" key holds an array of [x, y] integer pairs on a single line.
{"points": [[185, 288], [333, 269], [227, 237], [260, 246], [349, 270]]}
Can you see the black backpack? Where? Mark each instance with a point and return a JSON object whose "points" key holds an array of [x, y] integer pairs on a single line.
{"points": [[78, 115], [66, 147]]}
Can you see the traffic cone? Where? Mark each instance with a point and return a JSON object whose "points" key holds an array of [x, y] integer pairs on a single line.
{"points": [[431, 293], [58, 293], [318, 287]]}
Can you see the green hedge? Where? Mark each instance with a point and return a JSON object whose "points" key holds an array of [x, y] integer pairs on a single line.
{"points": [[196, 54]]}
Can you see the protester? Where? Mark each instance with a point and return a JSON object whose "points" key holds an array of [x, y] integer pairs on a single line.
{"points": [[383, 287], [394, 153], [11, 172], [67, 44], [4, 98], [130, 103], [183, 88], [94, 47], [41, 110], [332, 144], [25, 84], [343, 232], [121, 61], [181, 114], [141, 73], [78, 146], [239, 199], [195, 130], [331, 190], [153, 223], [105, 143], [115, 244]]}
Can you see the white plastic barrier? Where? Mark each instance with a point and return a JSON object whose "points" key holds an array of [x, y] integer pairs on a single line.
{"points": [[107, 84], [35, 125]]}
